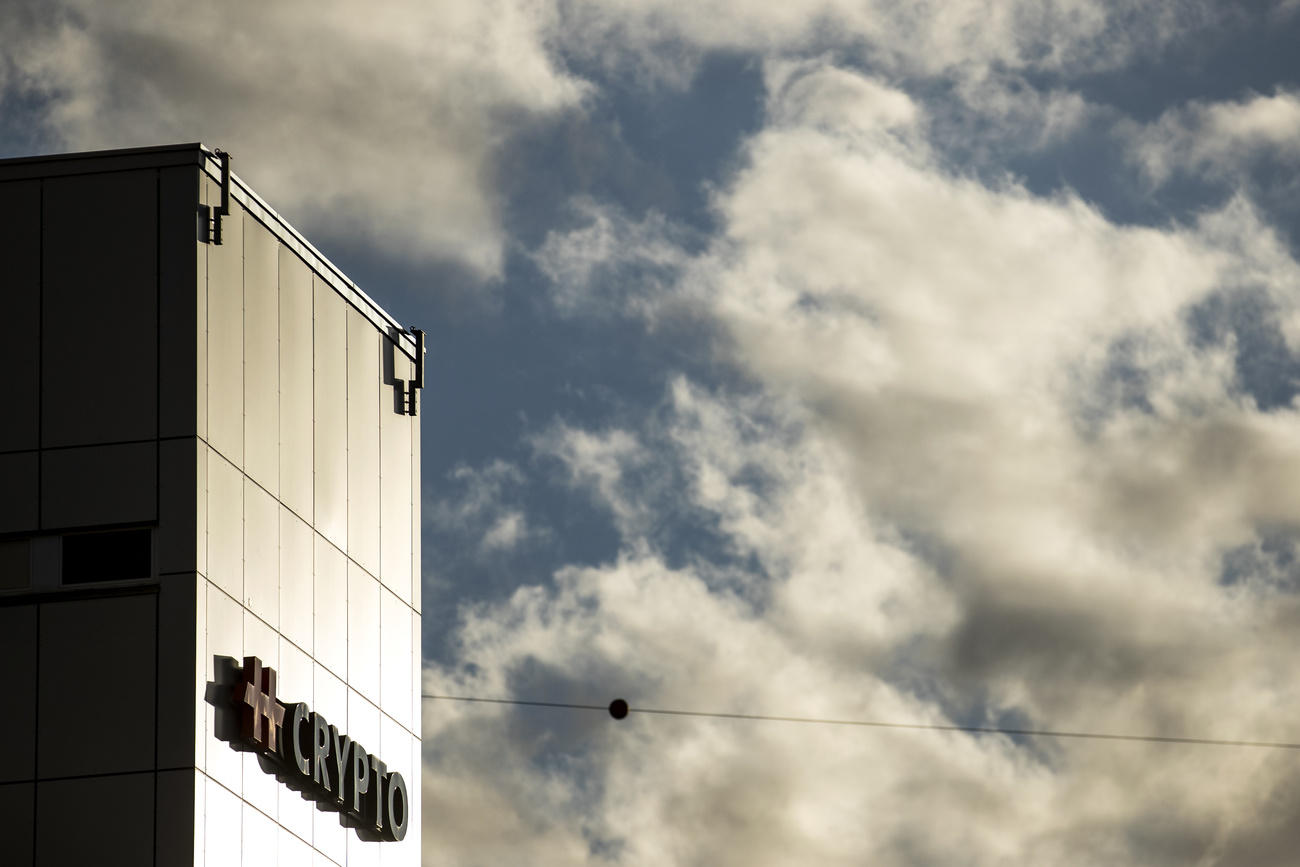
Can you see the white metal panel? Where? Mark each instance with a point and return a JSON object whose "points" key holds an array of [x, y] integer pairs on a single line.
{"points": [[328, 835], [226, 340], [414, 831], [260, 640], [261, 356], [223, 827], [417, 676], [297, 676], [295, 384], [395, 487], [399, 746], [201, 457], [363, 722], [395, 658], [417, 526], [363, 632], [225, 641], [364, 729], [363, 442], [331, 423], [225, 526], [201, 782], [261, 553], [290, 237], [296, 579], [261, 789], [363, 853], [202, 674], [395, 746], [201, 328], [330, 630], [330, 696], [293, 851]]}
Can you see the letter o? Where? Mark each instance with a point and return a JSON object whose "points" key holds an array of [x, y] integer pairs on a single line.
{"points": [[397, 805]]}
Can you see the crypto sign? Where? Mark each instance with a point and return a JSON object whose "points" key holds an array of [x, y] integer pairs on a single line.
{"points": [[314, 756]]}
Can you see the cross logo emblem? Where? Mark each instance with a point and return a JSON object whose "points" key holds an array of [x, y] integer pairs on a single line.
{"points": [[254, 694]]}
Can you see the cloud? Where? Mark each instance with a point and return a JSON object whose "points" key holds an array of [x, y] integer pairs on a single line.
{"points": [[482, 504], [660, 38], [990, 459], [576, 262], [373, 128], [1220, 138], [506, 532], [1284, 9], [993, 116], [835, 633], [599, 462], [636, 627], [384, 130]]}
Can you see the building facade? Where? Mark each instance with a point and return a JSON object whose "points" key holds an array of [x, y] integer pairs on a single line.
{"points": [[209, 472]]}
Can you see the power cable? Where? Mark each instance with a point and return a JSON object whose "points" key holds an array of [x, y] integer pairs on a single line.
{"points": [[620, 709]]}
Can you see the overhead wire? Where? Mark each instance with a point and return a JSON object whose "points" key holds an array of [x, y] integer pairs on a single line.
{"points": [[626, 709]]}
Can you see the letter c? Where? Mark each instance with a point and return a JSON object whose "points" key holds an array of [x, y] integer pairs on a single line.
{"points": [[292, 746]]}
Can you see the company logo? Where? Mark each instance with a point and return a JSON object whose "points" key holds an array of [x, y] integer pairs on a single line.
{"points": [[256, 693], [314, 756]]}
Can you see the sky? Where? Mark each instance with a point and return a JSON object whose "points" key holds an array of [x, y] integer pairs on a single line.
{"points": [[915, 362]]}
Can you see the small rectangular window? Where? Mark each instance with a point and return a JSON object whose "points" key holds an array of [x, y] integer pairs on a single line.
{"points": [[118, 555]]}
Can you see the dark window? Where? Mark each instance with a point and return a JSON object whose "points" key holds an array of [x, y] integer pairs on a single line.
{"points": [[113, 556]]}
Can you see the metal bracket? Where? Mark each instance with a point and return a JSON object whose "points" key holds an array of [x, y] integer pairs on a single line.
{"points": [[210, 218], [418, 382]]}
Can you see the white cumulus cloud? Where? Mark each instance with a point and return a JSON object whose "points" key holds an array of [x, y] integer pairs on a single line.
{"points": [[377, 126], [996, 460], [1220, 138]]}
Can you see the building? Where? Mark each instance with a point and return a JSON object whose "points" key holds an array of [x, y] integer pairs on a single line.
{"points": [[209, 472]]}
